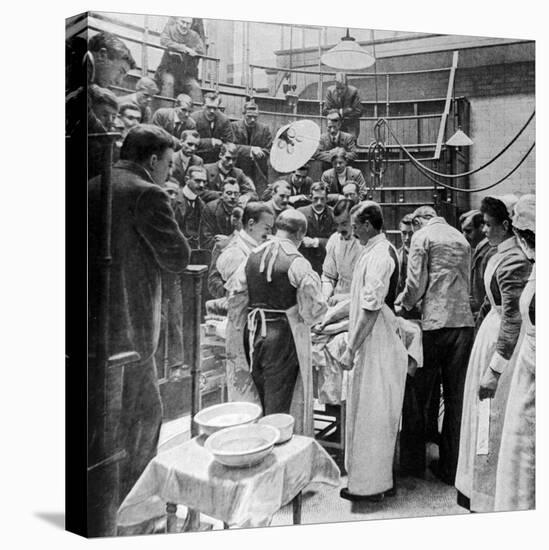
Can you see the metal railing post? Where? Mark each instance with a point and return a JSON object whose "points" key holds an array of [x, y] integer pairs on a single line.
{"points": [[144, 50]]}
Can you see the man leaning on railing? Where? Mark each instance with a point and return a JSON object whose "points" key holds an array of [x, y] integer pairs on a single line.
{"points": [[178, 69]]}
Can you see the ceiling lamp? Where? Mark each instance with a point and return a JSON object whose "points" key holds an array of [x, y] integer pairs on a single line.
{"points": [[347, 55], [460, 139]]}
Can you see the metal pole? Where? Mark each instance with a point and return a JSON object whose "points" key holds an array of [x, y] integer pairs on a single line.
{"points": [[252, 80], [196, 274], [144, 51], [387, 104], [319, 72], [243, 52], [105, 261], [247, 66]]}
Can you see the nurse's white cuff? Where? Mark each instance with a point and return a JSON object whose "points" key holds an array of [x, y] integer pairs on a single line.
{"points": [[498, 363]]}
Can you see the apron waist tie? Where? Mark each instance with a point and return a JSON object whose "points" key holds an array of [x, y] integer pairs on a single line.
{"points": [[252, 326]]}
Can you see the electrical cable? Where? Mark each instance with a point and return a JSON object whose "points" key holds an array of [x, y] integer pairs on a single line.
{"points": [[419, 166], [470, 172]]}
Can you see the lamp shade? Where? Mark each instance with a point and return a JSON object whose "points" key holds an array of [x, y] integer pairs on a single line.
{"points": [[347, 55], [294, 145], [460, 139]]}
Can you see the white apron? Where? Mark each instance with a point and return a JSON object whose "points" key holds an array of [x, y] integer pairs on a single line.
{"points": [[374, 400], [481, 420], [516, 473], [302, 401]]}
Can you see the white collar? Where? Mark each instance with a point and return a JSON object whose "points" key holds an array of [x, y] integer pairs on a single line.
{"points": [[188, 193], [375, 241], [507, 244], [247, 239]]}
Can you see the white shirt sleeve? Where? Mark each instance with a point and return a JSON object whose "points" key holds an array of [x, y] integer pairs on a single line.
{"points": [[310, 302], [329, 267], [237, 281], [229, 261], [377, 277]]}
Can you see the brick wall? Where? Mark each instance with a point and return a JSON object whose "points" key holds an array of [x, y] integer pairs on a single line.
{"points": [[494, 122]]}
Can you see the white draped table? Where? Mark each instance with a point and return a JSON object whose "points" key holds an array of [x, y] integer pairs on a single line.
{"points": [[240, 497]]}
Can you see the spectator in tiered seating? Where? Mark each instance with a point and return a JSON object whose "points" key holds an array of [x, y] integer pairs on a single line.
{"points": [[145, 89], [344, 99], [280, 199], [214, 128], [190, 207], [351, 192], [216, 218], [110, 59], [320, 226], [185, 158], [178, 69], [107, 61], [172, 188], [472, 228], [254, 142], [334, 138], [223, 169], [104, 107], [338, 176], [300, 187], [176, 120], [130, 116]]}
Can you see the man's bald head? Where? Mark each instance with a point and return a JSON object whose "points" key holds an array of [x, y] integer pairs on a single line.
{"points": [[291, 223], [422, 215]]}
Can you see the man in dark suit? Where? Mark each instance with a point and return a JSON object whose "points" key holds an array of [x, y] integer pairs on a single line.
{"points": [[189, 207], [185, 158], [145, 240], [224, 168], [346, 101], [216, 217], [254, 142], [320, 226], [176, 120], [472, 224], [214, 128], [351, 192], [333, 139], [178, 68], [145, 90], [337, 177], [300, 187], [130, 116]]}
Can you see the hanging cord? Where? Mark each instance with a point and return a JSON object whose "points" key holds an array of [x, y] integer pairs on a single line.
{"points": [[470, 172], [420, 167]]}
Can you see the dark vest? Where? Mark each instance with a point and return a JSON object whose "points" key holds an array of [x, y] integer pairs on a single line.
{"points": [[393, 283], [277, 294]]}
